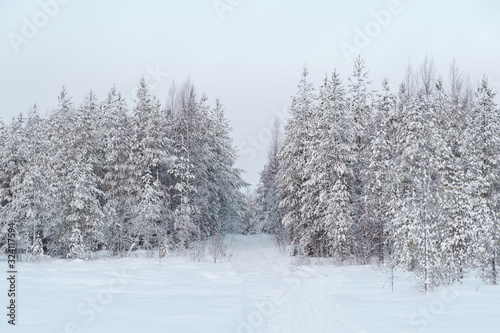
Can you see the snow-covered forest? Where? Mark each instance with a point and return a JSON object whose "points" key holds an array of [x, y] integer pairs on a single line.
{"points": [[409, 178], [106, 176]]}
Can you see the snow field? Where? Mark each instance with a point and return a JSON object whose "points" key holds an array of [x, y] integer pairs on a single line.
{"points": [[258, 290]]}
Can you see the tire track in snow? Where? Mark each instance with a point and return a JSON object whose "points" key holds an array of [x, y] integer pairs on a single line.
{"points": [[304, 299], [313, 308]]}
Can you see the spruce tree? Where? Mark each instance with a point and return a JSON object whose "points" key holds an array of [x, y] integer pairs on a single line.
{"points": [[482, 156], [293, 156]]}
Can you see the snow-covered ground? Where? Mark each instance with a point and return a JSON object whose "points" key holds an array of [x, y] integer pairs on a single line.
{"points": [[258, 289]]}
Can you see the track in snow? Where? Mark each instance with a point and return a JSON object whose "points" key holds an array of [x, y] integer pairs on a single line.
{"points": [[258, 290]]}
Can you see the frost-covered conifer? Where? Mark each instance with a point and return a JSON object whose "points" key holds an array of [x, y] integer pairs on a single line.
{"points": [[293, 157], [482, 158]]}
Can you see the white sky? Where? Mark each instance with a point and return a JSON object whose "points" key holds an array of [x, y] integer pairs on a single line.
{"points": [[250, 56]]}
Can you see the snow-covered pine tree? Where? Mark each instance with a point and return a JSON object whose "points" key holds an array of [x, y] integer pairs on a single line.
{"points": [[225, 178], [456, 228], [482, 158], [359, 105], [151, 154], [61, 133], [421, 156], [293, 157], [29, 193], [83, 179], [314, 238], [377, 176], [118, 182], [36, 187], [14, 162], [334, 163], [188, 134]]}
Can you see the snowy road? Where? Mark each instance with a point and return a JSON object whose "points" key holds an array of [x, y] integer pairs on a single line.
{"points": [[258, 290]]}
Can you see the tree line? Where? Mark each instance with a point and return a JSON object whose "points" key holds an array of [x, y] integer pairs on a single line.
{"points": [[411, 177], [106, 176]]}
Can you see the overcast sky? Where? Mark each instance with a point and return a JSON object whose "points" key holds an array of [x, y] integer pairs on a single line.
{"points": [[249, 53]]}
